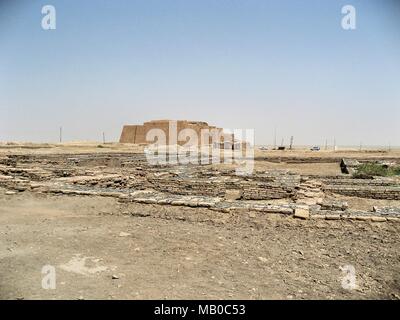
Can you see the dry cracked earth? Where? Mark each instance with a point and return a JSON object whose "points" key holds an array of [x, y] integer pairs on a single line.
{"points": [[157, 252], [105, 248]]}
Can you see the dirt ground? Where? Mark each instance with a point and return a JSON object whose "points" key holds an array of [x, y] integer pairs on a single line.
{"points": [[97, 147], [103, 249]]}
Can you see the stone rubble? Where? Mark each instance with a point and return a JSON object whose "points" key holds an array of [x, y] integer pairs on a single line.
{"points": [[130, 178]]}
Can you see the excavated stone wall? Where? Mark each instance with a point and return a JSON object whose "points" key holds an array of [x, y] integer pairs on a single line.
{"points": [[377, 188], [130, 177]]}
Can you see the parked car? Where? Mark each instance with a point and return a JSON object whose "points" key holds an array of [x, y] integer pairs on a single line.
{"points": [[263, 148], [315, 148]]}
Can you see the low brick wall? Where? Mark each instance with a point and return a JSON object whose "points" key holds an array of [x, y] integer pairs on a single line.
{"points": [[376, 192]]}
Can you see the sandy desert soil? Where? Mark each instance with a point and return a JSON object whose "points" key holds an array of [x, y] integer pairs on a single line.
{"points": [[163, 252], [104, 248], [89, 147]]}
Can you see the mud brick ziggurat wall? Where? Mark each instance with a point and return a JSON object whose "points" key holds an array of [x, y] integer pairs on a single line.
{"points": [[137, 133]]}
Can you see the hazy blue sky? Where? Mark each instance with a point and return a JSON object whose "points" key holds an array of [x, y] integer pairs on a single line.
{"points": [[235, 64]]}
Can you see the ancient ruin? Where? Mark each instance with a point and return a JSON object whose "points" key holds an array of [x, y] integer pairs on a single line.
{"points": [[106, 207], [173, 129], [130, 178]]}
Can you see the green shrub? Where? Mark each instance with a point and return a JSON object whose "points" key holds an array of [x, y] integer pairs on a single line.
{"points": [[368, 170], [394, 171]]}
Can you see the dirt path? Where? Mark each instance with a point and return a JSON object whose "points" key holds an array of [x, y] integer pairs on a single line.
{"points": [[158, 252]]}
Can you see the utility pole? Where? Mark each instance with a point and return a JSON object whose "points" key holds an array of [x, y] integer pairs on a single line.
{"points": [[60, 134], [104, 138], [334, 144], [274, 138], [291, 142], [326, 144]]}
